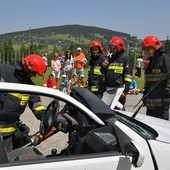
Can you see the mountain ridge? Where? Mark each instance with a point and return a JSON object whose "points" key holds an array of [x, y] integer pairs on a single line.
{"points": [[66, 35]]}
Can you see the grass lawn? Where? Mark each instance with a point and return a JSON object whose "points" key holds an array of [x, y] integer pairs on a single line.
{"points": [[140, 81], [40, 81]]}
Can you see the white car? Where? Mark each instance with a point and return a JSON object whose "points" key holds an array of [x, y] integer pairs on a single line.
{"points": [[98, 137]]}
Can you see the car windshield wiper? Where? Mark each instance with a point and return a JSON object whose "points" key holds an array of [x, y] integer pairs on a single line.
{"points": [[134, 125]]}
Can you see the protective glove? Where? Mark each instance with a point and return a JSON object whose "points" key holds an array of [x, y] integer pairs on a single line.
{"points": [[40, 114], [166, 98], [23, 127], [21, 135], [166, 92]]}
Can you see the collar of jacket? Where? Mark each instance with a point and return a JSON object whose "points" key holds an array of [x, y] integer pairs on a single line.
{"points": [[21, 75]]}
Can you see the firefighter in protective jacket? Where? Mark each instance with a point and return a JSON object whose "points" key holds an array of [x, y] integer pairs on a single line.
{"points": [[117, 70], [95, 77], [158, 71], [12, 105]]}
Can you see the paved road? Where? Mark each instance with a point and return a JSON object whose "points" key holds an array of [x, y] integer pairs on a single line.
{"points": [[59, 140], [132, 100]]}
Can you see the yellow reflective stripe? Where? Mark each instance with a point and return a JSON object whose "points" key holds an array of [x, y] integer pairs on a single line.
{"points": [[168, 83], [154, 100], [94, 88], [155, 78], [20, 96], [156, 70], [156, 75], [150, 105], [115, 67], [23, 97], [7, 130], [127, 79], [97, 71], [118, 71], [38, 108]]}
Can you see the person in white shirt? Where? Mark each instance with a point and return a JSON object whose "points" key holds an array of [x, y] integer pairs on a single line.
{"points": [[68, 65], [44, 57]]}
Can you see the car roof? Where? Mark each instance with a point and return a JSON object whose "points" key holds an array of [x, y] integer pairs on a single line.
{"points": [[15, 87]]}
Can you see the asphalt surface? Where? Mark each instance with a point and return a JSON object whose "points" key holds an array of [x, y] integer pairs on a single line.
{"points": [[59, 140], [132, 100]]}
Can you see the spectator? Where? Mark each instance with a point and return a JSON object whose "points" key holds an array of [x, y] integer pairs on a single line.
{"points": [[63, 84], [44, 57], [56, 66], [62, 59], [79, 83], [134, 87], [79, 62], [50, 82], [72, 83], [68, 65]]}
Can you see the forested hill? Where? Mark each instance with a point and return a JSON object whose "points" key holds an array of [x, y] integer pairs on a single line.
{"points": [[66, 35]]}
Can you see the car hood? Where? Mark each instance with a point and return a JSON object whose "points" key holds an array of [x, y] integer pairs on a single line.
{"points": [[161, 126]]}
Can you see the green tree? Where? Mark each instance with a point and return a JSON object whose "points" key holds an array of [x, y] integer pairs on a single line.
{"points": [[8, 52], [23, 50], [167, 46], [55, 49]]}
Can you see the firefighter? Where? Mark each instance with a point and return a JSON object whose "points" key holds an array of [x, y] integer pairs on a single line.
{"points": [[12, 105], [95, 77], [117, 70], [158, 71]]}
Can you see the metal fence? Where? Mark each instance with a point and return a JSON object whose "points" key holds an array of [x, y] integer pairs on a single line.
{"points": [[10, 57]]}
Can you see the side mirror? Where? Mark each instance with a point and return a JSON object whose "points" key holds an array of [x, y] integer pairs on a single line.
{"points": [[133, 149]]}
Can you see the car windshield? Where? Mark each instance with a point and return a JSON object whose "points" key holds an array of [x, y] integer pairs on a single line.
{"points": [[142, 129]]}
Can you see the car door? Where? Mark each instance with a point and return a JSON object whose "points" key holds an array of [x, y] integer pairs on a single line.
{"points": [[128, 140]]}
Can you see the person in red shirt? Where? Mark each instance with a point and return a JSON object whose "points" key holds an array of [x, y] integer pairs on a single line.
{"points": [[50, 82]]}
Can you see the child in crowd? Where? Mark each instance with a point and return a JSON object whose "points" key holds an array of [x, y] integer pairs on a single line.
{"points": [[50, 82], [80, 82], [63, 84], [134, 87], [72, 83]]}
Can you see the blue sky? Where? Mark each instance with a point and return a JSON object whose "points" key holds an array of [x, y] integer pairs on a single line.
{"points": [[135, 17]]}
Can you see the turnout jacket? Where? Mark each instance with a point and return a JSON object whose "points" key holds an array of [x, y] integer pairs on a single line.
{"points": [[158, 70], [118, 72], [12, 105], [95, 77]]}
